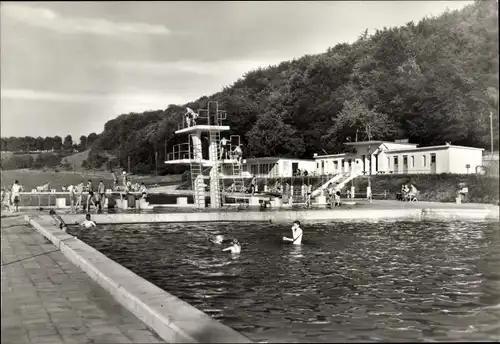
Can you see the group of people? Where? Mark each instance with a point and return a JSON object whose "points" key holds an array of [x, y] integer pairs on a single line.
{"points": [[333, 196], [235, 246], [191, 117], [226, 152], [127, 186], [11, 197], [96, 196], [407, 193]]}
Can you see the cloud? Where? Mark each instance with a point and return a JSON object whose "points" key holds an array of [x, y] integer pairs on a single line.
{"points": [[48, 19], [208, 68], [121, 102]]}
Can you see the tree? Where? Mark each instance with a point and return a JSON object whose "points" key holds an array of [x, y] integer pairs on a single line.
{"points": [[270, 136], [39, 143], [57, 143], [83, 143], [91, 138], [48, 143], [68, 143], [372, 124]]}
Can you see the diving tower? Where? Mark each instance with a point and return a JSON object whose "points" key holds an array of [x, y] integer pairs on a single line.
{"points": [[200, 126]]}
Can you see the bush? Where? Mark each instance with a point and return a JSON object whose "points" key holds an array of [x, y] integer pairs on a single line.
{"points": [[15, 162]]}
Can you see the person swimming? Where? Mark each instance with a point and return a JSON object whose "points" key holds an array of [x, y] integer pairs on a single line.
{"points": [[234, 248], [296, 234], [88, 223], [59, 221], [219, 239]]}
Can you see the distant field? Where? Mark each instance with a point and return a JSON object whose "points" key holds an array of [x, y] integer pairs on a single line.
{"points": [[76, 160], [30, 179]]}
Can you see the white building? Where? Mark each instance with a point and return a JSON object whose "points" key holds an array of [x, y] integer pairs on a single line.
{"points": [[277, 167], [380, 157]]}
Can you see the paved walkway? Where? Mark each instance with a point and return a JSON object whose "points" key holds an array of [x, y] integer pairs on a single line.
{"points": [[47, 299]]}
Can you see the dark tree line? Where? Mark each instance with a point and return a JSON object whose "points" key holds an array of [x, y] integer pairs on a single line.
{"points": [[37, 144], [431, 82]]}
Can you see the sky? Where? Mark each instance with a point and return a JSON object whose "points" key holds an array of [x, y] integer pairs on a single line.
{"points": [[69, 67]]}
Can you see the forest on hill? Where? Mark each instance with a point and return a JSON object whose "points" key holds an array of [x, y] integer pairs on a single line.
{"points": [[431, 82]]}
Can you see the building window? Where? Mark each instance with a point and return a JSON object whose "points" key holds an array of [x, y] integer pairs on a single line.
{"points": [[424, 160], [335, 165], [395, 160], [412, 161]]}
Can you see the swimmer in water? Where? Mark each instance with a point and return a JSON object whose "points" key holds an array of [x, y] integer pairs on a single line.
{"points": [[59, 221], [88, 223], [217, 240], [234, 248], [296, 234]]}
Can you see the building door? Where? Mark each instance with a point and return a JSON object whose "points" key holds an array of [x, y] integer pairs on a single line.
{"points": [[433, 162], [376, 163], [396, 164], [295, 167], [405, 164], [363, 157], [350, 166]]}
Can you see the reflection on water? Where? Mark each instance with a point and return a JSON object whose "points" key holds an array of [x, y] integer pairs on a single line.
{"points": [[394, 281]]}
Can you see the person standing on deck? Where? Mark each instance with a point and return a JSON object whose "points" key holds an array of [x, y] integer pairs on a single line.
{"points": [[101, 190], [71, 190], [223, 145], [79, 196], [16, 195], [115, 181], [90, 196], [296, 234]]}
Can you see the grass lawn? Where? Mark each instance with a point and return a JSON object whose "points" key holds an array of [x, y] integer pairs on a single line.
{"points": [[30, 179]]}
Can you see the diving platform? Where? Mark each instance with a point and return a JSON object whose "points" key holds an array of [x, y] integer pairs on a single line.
{"points": [[202, 128], [203, 162]]}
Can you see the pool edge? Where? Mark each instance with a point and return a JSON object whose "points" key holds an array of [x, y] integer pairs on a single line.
{"points": [[174, 320], [415, 214]]}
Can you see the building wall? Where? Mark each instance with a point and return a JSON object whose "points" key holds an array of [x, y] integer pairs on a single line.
{"points": [[421, 161], [279, 168], [460, 157]]}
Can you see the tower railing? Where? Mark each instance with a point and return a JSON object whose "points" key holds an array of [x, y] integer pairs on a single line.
{"points": [[212, 119]]}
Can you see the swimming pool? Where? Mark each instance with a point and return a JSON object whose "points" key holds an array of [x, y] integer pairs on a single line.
{"points": [[385, 281]]}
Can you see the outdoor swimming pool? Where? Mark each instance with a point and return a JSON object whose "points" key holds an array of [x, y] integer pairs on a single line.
{"points": [[385, 281]]}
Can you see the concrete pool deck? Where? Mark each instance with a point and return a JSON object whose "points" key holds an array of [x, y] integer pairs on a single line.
{"points": [[47, 299], [174, 320], [361, 211]]}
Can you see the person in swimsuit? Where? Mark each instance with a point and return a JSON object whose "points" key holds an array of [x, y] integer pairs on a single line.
{"points": [[79, 196], [16, 194], [88, 223], [234, 248], [90, 197], [217, 240], [296, 234], [101, 190]]}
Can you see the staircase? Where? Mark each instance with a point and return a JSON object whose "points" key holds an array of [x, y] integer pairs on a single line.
{"points": [[334, 179], [297, 196], [346, 179]]}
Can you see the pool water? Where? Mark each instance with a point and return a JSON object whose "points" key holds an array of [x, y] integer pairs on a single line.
{"points": [[385, 281]]}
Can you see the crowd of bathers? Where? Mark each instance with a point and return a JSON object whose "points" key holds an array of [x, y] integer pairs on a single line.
{"points": [[11, 197], [96, 194]]}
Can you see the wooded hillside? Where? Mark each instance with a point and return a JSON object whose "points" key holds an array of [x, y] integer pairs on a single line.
{"points": [[431, 82]]}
